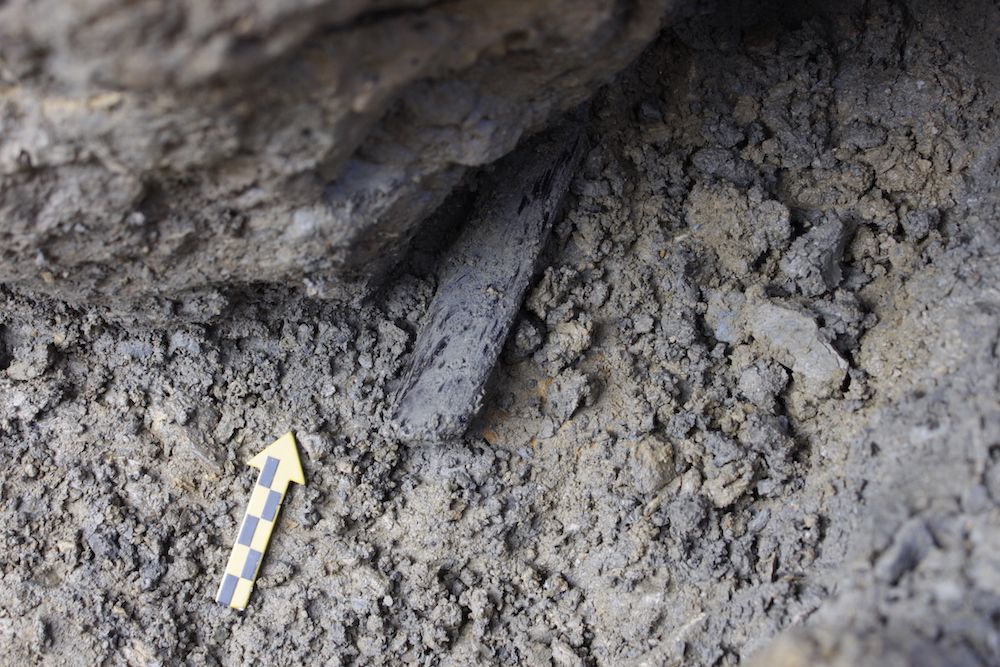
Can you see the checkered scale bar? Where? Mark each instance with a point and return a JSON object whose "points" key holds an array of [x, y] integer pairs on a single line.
{"points": [[255, 532]]}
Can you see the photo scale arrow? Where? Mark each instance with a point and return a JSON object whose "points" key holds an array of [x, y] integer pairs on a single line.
{"points": [[279, 465]]}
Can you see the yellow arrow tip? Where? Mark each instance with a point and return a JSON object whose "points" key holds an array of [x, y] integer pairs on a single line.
{"points": [[286, 451]]}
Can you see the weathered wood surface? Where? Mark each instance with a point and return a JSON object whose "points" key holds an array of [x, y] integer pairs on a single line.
{"points": [[481, 286]]}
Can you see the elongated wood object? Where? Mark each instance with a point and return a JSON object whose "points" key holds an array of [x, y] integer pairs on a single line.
{"points": [[481, 286]]}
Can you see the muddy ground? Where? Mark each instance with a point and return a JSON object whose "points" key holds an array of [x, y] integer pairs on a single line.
{"points": [[749, 412]]}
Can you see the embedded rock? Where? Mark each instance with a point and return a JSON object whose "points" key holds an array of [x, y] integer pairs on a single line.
{"points": [[155, 149]]}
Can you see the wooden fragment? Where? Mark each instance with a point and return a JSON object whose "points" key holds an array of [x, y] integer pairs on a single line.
{"points": [[481, 286]]}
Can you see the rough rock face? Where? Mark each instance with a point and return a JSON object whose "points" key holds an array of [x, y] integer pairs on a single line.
{"points": [[151, 148]]}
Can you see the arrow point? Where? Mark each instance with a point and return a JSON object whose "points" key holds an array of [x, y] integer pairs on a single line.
{"points": [[286, 451]]}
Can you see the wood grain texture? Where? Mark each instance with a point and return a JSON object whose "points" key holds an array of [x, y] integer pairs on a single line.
{"points": [[481, 286]]}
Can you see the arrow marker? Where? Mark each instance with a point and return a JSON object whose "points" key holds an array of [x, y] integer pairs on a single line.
{"points": [[279, 465]]}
